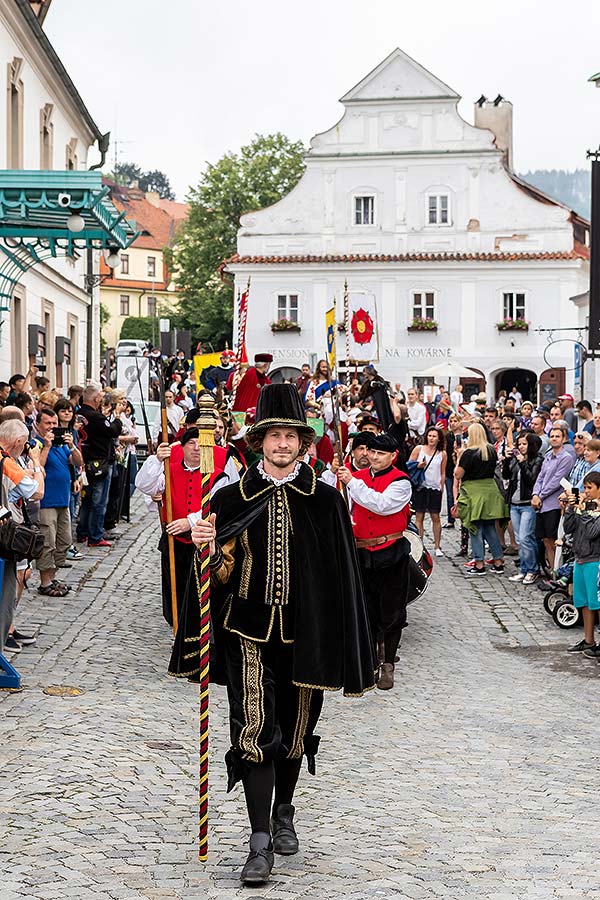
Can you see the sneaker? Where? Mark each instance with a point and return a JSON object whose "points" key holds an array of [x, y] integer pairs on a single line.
{"points": [[592, 652], [101, 543], [11, 645], [582, 645], [448, 525], [499, 570], [73, 553], [475, 571], [439, 551], [518, 577], [24, 639], [470, 564], [530, 578]]}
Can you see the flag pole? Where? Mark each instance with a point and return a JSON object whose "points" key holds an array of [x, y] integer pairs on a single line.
{"points": [[347, 331], [169, 503], [335, 410], [241, 344], [206, 440]]}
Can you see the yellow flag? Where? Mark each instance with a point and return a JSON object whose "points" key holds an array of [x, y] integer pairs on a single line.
{"points": [[330, 327]]}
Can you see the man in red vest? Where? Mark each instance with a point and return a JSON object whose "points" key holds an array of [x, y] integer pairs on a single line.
{"points": [[186, 497], [380, 496]]}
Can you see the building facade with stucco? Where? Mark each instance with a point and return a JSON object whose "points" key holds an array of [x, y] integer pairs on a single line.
{"points": [[410, 204]]}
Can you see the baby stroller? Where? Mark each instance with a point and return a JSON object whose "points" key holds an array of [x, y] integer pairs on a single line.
{"points": [[558, 601]]}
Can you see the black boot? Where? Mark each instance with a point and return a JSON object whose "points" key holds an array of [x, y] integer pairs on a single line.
{"points": [[260, 859], [285, 840]]}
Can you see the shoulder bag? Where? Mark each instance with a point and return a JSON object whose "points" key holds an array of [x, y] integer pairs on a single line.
{"points": [[417, 475], [18, 541]]}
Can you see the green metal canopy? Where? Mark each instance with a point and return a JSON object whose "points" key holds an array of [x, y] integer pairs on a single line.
{"points": [[35, 207]]}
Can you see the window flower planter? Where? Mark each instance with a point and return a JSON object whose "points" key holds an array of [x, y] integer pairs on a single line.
{"points": [[512, 325], [285, 325], [420, 324]]}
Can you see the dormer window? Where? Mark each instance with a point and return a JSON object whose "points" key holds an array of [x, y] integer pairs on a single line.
{"points": [[438, 209], [364, 210]]}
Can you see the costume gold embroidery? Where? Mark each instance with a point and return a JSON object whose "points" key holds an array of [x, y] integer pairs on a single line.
{"points": [[246, 565], [278, 550], [252, 672], [304, 698]]}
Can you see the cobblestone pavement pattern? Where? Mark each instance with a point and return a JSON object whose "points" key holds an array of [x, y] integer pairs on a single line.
{"points": [[473, 778]]}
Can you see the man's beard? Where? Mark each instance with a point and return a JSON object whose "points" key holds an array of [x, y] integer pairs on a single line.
{"points": [[280, 463]]}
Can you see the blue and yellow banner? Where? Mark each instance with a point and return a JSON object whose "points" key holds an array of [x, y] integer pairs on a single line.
{"points": [[330, 326]]}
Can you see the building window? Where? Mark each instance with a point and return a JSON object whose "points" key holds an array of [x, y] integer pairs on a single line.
{"points": [[151, 306], [513, 306], [71, 155], [124, 305], [46, 137], [151, 266], [424, 305], [287, 307], [124, 264], [14, 148], [438, 209], [364, 210]]}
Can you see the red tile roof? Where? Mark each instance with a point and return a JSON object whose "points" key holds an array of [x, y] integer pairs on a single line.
{"points": [[576, 253], [156, 223]]}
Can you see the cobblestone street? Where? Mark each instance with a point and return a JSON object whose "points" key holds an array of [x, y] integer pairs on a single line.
{"points": [[471, 779]]}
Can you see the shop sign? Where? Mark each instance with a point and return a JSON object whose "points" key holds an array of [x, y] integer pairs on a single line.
{"points": [[417, 352]]}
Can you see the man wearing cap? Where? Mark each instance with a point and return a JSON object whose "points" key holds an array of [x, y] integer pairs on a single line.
{"points": [[289, 617], [358, 457], [250, 386], [214, 377], [186, 498], [569, 413], [380, 496]]}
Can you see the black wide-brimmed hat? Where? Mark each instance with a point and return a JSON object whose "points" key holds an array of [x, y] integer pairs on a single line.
{"points": [[279, 404]]}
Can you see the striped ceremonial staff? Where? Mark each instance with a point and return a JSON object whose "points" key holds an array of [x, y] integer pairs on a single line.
{"points": [[206, 426], [347, 330], [242, 356]]}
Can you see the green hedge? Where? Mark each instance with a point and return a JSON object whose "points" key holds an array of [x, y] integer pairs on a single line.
{"points": [[139, 328]]}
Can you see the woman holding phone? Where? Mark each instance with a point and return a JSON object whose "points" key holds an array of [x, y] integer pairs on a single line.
{"points": [[521, 468]]}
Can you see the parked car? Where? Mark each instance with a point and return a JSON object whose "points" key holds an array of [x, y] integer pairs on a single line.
{"points": [[130, 348]]}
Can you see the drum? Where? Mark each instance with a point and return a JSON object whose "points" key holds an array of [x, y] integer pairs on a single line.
{"points": [[420, 565]]}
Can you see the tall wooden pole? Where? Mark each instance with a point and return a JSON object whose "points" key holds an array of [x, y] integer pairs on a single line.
{"points": [[169, 503], [206, 440]]}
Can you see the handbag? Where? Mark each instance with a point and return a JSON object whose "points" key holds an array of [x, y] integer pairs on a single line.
{"points": [[19, 541], [417, 475], [97, 468]]}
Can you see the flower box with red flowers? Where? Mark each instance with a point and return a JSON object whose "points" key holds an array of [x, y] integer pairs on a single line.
{"points": [[285, 325], [421, 324], [513, 325]]}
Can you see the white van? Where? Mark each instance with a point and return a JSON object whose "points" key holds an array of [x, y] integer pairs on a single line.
{"points": [[130, 348]]}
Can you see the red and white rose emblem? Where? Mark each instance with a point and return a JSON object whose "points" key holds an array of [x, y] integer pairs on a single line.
{"points": [[362, 326]]}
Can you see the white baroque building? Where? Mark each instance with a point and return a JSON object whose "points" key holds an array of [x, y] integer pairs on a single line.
{"points": [[408, 202], [44, 125]]}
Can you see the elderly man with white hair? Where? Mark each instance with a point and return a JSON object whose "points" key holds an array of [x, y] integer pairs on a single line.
{"points": [[16, 486]]}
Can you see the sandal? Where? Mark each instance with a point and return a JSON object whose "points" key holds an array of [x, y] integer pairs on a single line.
{"points": [[62, 585], [52, 590]]}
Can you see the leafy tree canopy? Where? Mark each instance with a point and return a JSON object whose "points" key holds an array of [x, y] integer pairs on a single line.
{"points": [[260, 174], [129, 173]]}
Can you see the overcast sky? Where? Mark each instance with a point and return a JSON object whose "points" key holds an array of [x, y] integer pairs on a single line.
{"points": [[183, 82]]}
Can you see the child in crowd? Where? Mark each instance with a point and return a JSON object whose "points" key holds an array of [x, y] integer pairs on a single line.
{"points": [[582, 520]]}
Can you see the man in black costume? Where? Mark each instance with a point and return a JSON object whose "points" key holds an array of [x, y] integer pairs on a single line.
{"points": [[289, 618]]}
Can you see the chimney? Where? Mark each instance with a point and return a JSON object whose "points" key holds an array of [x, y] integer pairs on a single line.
{"points": [[497, 116]]}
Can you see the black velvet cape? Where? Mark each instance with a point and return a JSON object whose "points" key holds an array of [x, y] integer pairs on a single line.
{"points": [[333, 647]]}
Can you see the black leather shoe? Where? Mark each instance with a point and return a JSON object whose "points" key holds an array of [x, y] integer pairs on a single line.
{"points": [[260, 859], [285, 840]]}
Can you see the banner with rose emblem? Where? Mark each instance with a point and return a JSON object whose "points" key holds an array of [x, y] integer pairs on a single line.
{"points": [[362, 333]]}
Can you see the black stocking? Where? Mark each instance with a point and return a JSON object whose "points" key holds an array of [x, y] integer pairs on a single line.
{"points": [[286, 778], [258, 788]]}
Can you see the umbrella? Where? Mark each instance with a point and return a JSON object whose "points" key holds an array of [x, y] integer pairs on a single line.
{"points": [[449, 369]]}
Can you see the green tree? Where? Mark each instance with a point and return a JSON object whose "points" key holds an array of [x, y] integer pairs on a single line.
{"points": [[128, 174], [259, 175]]}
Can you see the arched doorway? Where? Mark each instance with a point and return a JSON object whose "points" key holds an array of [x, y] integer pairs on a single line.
{"points": [[523, 379], [284, 373], [473, 385]]}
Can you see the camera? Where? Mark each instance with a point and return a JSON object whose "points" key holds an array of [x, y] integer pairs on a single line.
{"points": [[591, 504], [64, 200], [58, 436]]}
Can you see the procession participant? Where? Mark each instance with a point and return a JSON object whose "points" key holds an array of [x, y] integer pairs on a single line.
{"points": [[289, 618], [174, 416], [380, 496], [250, 386], [213, 376], [186, 495], [358, 458]]}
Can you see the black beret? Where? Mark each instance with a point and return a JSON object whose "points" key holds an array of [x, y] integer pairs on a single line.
{"points": [[188, 435], [384, 442], [365, 438]]}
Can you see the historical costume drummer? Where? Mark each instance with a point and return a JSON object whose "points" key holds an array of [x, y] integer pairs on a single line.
{"points": [[289, 618], [380, 496]]}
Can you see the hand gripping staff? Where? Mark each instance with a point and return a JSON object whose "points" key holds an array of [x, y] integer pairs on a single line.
{"points": [[206, 427]]}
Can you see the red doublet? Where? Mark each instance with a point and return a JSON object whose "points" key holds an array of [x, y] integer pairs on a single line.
{"points": [[186, 486], [368, 524], [248, 389]]}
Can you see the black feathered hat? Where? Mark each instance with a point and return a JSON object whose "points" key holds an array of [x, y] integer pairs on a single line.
{"points": [[279, 404]]}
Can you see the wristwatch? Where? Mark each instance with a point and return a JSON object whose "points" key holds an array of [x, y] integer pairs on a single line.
{"points": [[37, 468]]}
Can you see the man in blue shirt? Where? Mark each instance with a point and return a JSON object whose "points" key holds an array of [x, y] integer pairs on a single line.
{"points": [[57, 454]]}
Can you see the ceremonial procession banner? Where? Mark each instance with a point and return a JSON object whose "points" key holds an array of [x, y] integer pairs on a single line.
{"points": [[330, 326], [204, 362], [362, 332]]}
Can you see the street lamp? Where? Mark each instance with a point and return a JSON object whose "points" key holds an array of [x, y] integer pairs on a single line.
{"points": [[75, 223], [111, 257]]}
